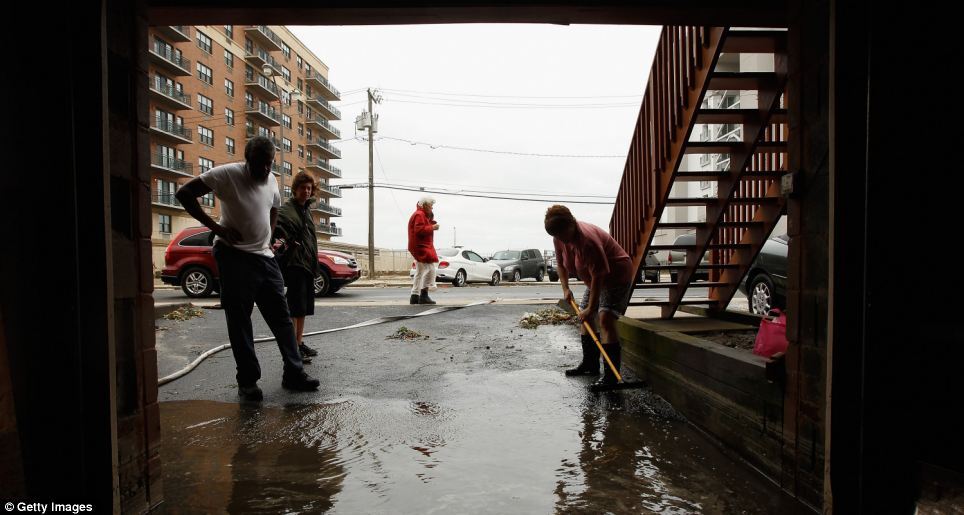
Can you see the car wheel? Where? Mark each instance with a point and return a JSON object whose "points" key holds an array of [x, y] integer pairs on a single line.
{"points": [[553, 277], [540, 275], [496, 278], [197, 282], [516, 276], [323, 284], [761, 295], [459, 280]]}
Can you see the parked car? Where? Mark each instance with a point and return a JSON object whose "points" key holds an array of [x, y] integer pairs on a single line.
{"points": [[678, 257], [516, 265], [651, 275], [461, 266], [189, 263], [765, 284]]}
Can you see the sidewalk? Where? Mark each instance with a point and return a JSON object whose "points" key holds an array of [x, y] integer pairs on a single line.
{"points": [[388, 282]]}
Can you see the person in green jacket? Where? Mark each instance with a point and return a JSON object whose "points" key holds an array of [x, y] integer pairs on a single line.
{"points": [[298, 255]]}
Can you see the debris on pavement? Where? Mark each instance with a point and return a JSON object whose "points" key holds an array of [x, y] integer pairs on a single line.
{"points": [[546, 316], [184, 313], [404, 333]]}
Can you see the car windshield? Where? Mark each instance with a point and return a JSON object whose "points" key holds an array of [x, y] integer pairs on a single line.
{"points": [[507, 254], [448, 252]]}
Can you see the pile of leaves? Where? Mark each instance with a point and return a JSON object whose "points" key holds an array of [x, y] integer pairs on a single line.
{"points": [[404, 333], [185, 313], [546, 316]]}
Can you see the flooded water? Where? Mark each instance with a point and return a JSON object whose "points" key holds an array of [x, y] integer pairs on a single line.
{"points": [[489, 441]]}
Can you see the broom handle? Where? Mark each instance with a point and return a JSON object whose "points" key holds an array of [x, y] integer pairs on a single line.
{"points": [[601, 349]]}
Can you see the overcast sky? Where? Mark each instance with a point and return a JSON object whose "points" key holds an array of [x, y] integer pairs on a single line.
{"points": [[498, 77]]}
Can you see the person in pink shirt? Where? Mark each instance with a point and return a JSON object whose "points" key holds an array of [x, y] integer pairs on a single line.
{"points": [[607, 270]]}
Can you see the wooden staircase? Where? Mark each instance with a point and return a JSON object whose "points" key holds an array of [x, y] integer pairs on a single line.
{"points": [[748, 202]]}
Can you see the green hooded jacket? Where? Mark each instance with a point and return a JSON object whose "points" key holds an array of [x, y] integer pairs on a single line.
{"points": [[297, 228]]}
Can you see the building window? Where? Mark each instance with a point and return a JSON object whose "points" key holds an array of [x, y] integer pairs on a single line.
{"points": [[286, 121], [286, 50], [286, 144], [205, 164], [248, 99], [164, 224], [229, 144], [165, 193], [207, 200], [286, 73], [309, 156], [300, 85], [301, 130], [301, 107], [203, 42], [287, 191], [308, 134], [307, 69], [204, 74], [299, 61], [206, 135], [205, 104], [286, 166], [301, 151], [229, 87], [228, 116], [228, 59], [229, 31]]}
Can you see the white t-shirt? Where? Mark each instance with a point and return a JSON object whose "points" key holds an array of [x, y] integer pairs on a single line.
{"points": [[245, 205]]}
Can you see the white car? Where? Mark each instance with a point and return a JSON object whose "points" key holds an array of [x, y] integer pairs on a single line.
{"points": [[462, 266]]}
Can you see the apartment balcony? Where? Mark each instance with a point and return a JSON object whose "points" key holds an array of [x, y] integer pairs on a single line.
{"points": [[263, 36], [174, 131], [264, 86], [327, 171], [258, 57], [170, 95], [175, 33], [326, 149], [328, 91], [170, 60], [327, 130], [329, 191], [263, 113], [324, 207], [328, 229], [327, 110], [167, 200], [163, 164]]}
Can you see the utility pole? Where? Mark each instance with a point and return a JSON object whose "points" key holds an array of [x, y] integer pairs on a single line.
{"points": [[368, 120]]}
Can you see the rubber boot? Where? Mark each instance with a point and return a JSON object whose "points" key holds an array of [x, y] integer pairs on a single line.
{"points": [[424, 298], [590, 359], [413, 299], [615, 355]]}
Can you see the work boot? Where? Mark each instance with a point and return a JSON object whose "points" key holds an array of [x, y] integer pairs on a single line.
{"points": [[615, 355], [300, 381], [306, 350], [250, 393], [424, 298], [590, 359], [413, 299]]}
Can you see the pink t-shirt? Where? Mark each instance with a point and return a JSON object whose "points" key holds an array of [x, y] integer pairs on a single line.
{"points": [[595, 253]]}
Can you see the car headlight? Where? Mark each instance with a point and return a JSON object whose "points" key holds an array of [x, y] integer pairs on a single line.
{"points": [[506, 268], [338, 260]]}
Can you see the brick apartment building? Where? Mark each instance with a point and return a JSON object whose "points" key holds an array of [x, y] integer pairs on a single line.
{"points": [[212, 88]]}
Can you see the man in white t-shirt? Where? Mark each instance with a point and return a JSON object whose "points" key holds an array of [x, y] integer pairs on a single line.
{"points": [[248, 273]]}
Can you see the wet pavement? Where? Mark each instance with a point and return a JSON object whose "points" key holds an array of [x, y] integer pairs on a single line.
{"points": [[476, 419]]}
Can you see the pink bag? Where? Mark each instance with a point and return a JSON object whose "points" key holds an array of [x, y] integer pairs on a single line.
{"points": [[772, 336]]}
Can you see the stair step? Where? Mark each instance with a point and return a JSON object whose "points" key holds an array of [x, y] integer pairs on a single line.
{"points": [[737, 115], [771, 146], [712, 246], [715, 176], [706, 266], [703, 201], [688, 225], [755, 41], [743, 80], [713, 147], [684, 302]]}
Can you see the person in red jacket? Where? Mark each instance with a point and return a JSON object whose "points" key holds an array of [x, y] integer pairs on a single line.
{"points": [[421, 236]]}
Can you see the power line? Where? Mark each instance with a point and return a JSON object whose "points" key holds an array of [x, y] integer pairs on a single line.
{"points": [[513, 104], [509, 96], [434, 146], [442, 192], [534, 106]]}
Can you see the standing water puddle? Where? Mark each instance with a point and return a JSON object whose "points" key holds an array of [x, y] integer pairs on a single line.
{"points": [[522, 441]]}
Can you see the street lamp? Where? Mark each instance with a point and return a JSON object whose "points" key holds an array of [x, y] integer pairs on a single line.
{"points": [[268, 71]]}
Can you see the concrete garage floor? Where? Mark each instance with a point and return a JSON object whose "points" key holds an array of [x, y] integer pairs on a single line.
{"points": [[478, 418]]}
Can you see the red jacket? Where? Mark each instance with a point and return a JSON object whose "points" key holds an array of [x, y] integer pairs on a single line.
{"points": [[421, 236]]}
